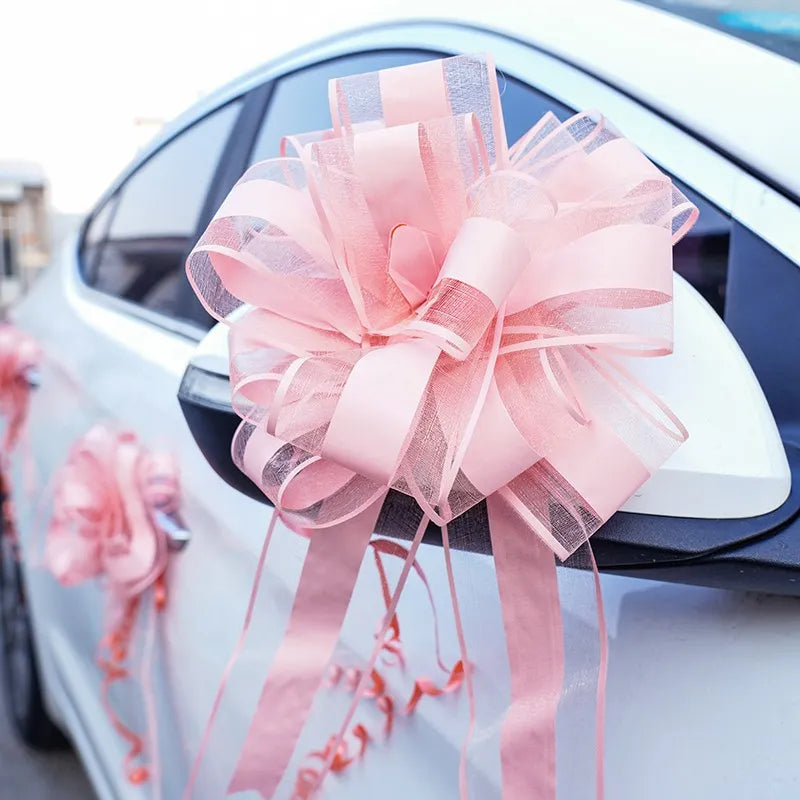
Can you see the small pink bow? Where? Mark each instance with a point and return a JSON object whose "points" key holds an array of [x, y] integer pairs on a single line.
{"points": [[433, 312], [103, 519], [104, 524], [19, 356]]}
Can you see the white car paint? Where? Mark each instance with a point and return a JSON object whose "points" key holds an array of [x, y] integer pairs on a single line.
{"points": [[702, 686]]}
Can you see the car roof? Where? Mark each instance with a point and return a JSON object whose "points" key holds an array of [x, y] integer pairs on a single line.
{"points": [[731, 93]]}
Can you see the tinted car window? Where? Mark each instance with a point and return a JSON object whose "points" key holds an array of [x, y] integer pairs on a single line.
{"points": [[299, 101], [153, 221], [524, 106], [762, 310], [702, 255]]}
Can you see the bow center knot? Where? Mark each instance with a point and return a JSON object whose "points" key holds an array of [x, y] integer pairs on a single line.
{"points": [[481, 267]]}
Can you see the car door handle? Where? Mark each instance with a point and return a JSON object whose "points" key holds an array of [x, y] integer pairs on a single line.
{"points": [[33, 377], [178, 535]]}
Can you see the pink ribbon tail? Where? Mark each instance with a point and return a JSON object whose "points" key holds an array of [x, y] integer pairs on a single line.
{"points": [[602, 673], [380, 640], [326, 584], [462, 645], [151, 711], [526, 576], [234, 657]]}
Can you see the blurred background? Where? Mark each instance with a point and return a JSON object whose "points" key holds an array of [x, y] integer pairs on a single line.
{"points": [[86, 83]]}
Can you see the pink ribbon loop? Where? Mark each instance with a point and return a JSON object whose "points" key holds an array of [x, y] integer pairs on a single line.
{"points": [[439, 314]]}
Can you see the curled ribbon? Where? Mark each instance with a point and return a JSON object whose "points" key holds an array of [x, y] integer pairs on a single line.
{"points": [[431, 312], [104, 524], [308, 778]]}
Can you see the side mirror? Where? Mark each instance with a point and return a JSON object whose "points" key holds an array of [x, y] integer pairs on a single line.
{"points": [[724, 511]]}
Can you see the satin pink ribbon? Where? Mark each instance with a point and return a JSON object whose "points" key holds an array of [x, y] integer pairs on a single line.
{"points": [[106, 496], [433, 312]]}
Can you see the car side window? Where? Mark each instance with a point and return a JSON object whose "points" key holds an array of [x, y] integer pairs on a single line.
{"points": [[702, 255], [762, 308], [136, 244], [299, 101], [95, 236], [524, 106]]}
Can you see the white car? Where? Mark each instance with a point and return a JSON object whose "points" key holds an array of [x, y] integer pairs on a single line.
{"points": [[703, 698]]}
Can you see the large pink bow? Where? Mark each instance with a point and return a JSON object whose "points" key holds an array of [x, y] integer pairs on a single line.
{"points": [[106, 499], [432, 312]]}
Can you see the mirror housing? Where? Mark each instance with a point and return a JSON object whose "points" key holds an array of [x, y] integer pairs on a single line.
{"points": [[723, 511]]}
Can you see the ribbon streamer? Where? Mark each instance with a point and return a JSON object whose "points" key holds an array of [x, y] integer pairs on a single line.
{"points": [[336, 754], [430, 312], [19, 358], [104, 524]]}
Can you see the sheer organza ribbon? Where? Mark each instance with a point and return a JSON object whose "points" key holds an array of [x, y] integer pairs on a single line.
{"points": [[431, 312], [104, 524]]}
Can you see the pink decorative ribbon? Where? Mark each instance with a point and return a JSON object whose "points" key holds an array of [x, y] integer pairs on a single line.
{"points": [[435, 313], [19, 358], [104, 525]]}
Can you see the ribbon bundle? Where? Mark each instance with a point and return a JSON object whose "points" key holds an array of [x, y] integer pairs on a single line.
{"points": [[431, 312], [106, 498]]}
